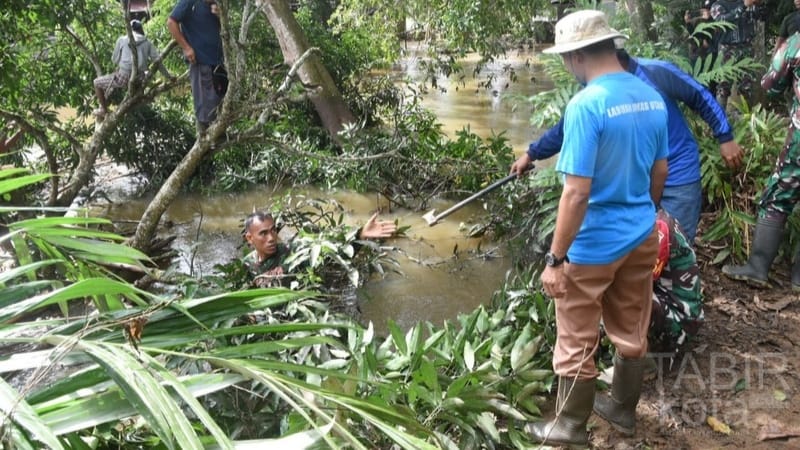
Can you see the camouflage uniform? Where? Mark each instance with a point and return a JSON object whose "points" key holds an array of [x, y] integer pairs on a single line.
{"points": [[783, 187], [257, 268], [677, 301]]}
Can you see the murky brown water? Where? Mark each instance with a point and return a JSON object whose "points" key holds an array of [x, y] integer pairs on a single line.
{"points": [[460, 102], [435, 282]]}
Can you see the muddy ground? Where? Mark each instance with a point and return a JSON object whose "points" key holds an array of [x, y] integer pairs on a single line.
{"points": [[742, 370]]}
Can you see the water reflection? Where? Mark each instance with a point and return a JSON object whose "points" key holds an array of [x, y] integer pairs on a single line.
{"points": [[464, 101]]}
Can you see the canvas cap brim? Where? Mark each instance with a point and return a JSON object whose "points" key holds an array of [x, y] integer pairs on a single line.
{"points": [[577, 45]]}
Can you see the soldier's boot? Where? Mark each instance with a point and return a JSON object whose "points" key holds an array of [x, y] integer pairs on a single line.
{"points": [[619, 408], [573, 408], [796, 272], [767, 240]]}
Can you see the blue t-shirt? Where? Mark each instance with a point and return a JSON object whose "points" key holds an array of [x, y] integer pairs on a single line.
{"points": [[675, 86], [615, 129], [201, 29]]}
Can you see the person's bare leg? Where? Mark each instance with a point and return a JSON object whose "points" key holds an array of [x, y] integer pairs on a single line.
{"points": [[101, 99]]}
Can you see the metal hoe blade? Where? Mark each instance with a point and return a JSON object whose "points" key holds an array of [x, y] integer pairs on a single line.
{"points": [[433, 219]]}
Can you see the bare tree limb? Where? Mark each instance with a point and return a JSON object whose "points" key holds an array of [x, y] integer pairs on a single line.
{"points": [[98, 69], [287, 83]]}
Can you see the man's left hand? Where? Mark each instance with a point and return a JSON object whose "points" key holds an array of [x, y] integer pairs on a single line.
{"points": [[554, 282], [376, 229], [732, 154]]}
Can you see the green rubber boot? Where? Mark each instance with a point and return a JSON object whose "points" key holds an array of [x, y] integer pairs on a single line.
{"points": [[573, 408], [796, 272], [767, 240], [619, 408]]}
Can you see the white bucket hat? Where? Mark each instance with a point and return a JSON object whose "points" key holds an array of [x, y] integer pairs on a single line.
{"points": [[582, 29]]}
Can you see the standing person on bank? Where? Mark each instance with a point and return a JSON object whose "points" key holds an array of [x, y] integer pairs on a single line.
{"points": [[683, 191], [703, 44], [737, 42], [783, 187], [600, 264], [194, 24]]}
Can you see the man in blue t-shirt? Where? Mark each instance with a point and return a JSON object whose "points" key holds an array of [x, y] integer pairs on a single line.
{"points": [[194, 24], [682, 197], [605, 242]]}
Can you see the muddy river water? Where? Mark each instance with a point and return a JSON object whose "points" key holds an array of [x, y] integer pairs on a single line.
{"points": [[434, 283]]}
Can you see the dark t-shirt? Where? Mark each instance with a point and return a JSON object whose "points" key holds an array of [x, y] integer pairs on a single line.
{"points": [[790, 25], [201, 29]]}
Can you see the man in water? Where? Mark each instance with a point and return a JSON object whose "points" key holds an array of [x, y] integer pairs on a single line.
{"points": [[266, 262]]}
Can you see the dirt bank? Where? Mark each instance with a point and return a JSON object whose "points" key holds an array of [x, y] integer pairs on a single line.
{"points": [[742, 370]]}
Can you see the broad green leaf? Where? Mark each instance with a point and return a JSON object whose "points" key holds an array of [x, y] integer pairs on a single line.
{"points": [[99, 249], [525, 347], [486, 422], [188, 398], [505, 409], [72, 232], [149, 398], [12, 171], [469, 355], [267, 347], [432, 340], [397, 337], [84, 288], [69, 385], [100, 404], [428, 375], [20, 182], [58, 222], [23, 253], [20, 292], [334, 364], [39, 358], [11, 404], [15, 272]]}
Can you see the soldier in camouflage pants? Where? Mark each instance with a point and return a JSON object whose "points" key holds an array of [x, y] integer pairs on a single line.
{"points": [[677, 301], [783, 187]]}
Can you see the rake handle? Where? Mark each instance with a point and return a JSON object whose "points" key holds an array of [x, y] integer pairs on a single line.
{"points": [[477, 195]]}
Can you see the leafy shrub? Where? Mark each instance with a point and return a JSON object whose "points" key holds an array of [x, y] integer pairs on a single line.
{"points": [[153, 141], [733, 197], [409, 159]]}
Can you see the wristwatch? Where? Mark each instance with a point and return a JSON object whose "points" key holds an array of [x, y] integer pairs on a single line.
{"points": [[551, 260]]}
